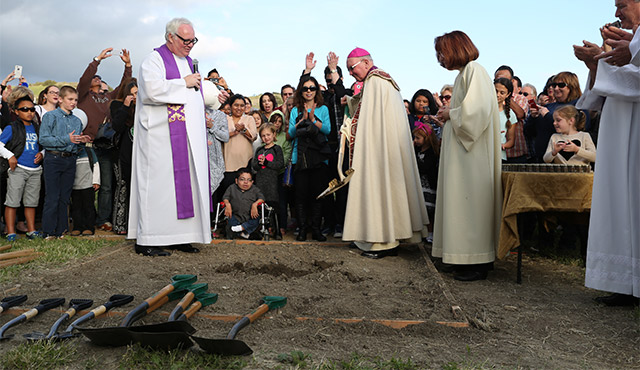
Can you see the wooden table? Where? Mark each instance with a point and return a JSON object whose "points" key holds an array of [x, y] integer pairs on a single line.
{"points": [[539, 192]]}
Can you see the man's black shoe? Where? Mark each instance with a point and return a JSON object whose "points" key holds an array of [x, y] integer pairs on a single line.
{"points": [[617, 299], [319, 237], [187, 248], [380, 254], [469, 275], [151, 251]]}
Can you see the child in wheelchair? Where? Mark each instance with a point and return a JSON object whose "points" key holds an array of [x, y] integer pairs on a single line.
{"points": [[241, 203]]}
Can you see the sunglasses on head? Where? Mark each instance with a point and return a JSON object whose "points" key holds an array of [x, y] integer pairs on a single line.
{"points": [[27, 109], [559, 84], [309, 88]]}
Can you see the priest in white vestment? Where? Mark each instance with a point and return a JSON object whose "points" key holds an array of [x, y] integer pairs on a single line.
{"points": [[385, 203], [613, 249], [469, 196], [170, 199]]}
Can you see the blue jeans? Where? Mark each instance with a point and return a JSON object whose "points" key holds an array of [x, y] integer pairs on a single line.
{"points": [[106, 157], [249, 226], [59, 174]]}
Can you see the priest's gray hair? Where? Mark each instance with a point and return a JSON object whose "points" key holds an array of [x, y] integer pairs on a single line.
{"points": [[173, 25]]}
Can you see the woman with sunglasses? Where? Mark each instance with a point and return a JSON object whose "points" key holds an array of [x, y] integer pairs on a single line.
{"points": [[309, 127], [539, 124]]}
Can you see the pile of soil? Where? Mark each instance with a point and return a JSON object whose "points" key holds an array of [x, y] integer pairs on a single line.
{"points": [[550, 321]]}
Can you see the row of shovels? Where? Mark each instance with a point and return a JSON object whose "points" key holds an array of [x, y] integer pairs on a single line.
{"points": [[172, 334]]}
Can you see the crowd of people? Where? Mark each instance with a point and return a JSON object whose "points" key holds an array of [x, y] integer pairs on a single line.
{"points": [[285, 154]]}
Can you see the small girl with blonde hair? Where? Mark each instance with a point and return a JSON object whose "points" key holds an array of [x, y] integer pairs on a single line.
{"points": [[267, 163], [570, 145]]}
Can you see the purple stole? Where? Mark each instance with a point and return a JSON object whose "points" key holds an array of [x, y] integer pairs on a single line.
{"points": [[179, 145]]}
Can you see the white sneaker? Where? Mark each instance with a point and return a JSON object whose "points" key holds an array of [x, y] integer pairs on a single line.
{"points": [[244, 234], [338, 232], [236, 228]]}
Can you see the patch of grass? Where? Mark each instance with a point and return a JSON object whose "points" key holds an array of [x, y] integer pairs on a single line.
{"points": [[138, 357], [54, 252], [358, 362], [39, 355], [296, 358]]}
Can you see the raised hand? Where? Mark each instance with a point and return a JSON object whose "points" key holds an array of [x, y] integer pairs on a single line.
{"points": [[126, 58], [310, 64], [104, 54], [332, 60], [10, 77]]}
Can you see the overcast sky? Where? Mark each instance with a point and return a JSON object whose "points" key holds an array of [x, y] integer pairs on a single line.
{"points": [[260, 45]]}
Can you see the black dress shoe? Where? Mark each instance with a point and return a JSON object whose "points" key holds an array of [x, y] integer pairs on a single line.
{"points": [[187, 248], [617, 299], [470, 275], [446, 268], [151, 251], [319, 237], [380, 254], [302, 236]]}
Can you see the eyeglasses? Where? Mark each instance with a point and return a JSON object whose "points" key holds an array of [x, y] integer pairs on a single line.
{"points": [[244, 179], [524, 93], [27, 109], [354, 66], [445, 97], [52, 92], [193, 41], [308, 88], [560, 85]]}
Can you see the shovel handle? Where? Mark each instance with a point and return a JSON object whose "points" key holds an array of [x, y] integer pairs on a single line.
{"points": [[245, 321], [182, 306], [54, 328], [48, 304], [114, 301], [153, 300], [191, 311], [149, 305], [8, 302]]}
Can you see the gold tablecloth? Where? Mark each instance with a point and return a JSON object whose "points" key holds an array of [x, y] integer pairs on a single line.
{"points": [[540, 192]]}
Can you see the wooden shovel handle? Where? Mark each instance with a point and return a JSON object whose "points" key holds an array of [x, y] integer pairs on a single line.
{"points": [[19, 260], [22, 253]]}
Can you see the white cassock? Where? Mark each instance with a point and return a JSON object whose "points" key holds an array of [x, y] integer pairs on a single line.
{"points": [[613, 250], [152, 211]]}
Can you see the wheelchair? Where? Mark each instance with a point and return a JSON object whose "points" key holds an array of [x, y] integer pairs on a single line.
{"points": [[266, 216]]}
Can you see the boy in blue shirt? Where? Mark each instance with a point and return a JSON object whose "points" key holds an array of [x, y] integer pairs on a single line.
{"points": [[21, 152], [62, 144]]}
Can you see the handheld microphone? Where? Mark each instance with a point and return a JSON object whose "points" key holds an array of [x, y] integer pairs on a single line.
{"points": [[195, 70]]}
